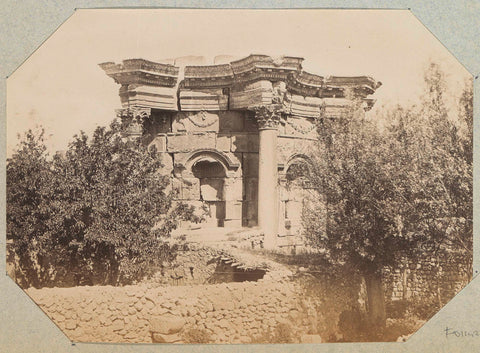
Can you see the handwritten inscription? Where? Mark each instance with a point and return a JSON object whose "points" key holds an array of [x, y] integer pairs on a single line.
{"points": [[450, 333]]}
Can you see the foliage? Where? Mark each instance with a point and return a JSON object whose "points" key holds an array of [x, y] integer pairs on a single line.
{"points": [[29, 178], [93, 211], [401, 188]]}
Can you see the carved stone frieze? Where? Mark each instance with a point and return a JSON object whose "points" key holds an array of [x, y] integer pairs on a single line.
{"points": [[202, 119], [301, 126]]}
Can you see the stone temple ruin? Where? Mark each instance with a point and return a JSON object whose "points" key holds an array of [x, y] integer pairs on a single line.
{"points": [[231, 134]]}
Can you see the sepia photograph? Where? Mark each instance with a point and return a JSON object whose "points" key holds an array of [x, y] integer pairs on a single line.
{"points": [[188, 176]]}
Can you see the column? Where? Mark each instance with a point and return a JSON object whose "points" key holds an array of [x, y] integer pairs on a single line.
{"points": [[132, 120], [268, 118]]}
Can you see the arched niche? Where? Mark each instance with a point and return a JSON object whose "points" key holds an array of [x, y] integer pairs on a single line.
{"points": [[294, 194], [297, 168], [212, 169], [210, 155]]}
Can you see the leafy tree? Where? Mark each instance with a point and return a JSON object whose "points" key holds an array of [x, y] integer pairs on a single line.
{"points": [[29, 177], [395, 189], [95, 210]]}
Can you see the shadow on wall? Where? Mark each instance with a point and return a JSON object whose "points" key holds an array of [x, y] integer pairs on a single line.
{"points": [[228, 272]]}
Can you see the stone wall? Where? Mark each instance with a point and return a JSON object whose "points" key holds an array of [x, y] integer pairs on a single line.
{"points": [[220, 313], [431, 277]]}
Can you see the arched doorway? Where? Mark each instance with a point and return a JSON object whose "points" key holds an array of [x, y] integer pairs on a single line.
{"points": [[296, 193], [212, 174]]}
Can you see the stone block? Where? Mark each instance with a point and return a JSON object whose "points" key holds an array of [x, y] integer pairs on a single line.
{"points": [[164, 98], [117, 325], [70, 324], [257, 93], [216, 211], [251, 189], [304, 106], [233, 190], [233, 210], [167, 163], [252, 212], [244, 143], [284, 193], [281, 217], [223, 143], [176, 185], [211, 189], [286, 148], [162, 338], [190, 142], [166, 324], [224, 303], [232, 223], [250, 124], [191, 189], [293, 210], [178, 124], [250, 164], [231, 121], [160, 143], [210, 99]]}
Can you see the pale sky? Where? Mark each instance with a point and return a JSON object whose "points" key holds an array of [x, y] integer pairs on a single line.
{"points": [[61, 87]]}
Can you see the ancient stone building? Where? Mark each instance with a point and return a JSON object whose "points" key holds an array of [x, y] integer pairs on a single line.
{"points": [[231, 133]]}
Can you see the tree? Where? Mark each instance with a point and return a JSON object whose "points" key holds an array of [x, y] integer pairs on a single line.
{"points": [[394, 189], [29, 192], [101, 204]]}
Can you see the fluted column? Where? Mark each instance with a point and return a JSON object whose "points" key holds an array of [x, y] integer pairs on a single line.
{"points": [[268, 117]]}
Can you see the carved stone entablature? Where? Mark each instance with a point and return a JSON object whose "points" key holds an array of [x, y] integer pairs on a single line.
{"points": [[263, 67], [268, 116], [140, 71], [308, 84], [360, 85], [255, 80], [208, 76], [156, 97]]}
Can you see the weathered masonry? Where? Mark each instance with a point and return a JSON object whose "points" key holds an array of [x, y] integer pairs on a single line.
{"points": [[231, 133]]}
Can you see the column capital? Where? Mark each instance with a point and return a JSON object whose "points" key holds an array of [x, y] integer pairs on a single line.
{"points": [[132, 119], [268, 116], [132, 113]]}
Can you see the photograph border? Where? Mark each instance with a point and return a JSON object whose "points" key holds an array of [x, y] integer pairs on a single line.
{"points": [[27, 24]]}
